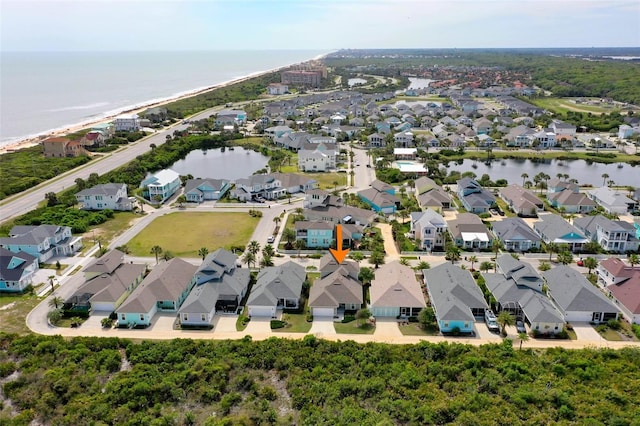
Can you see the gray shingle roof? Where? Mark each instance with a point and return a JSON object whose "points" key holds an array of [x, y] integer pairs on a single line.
{"points": [[453, 292], [573, 292], [514, 228], [105, 264], [107, 189], [395, 285], [334, 289], [278, 282], [17, 261]]}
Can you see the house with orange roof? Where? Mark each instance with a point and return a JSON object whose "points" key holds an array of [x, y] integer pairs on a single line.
{"points": [[61, 147]]}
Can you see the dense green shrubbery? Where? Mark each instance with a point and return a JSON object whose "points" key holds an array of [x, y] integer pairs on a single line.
{"points": [[85, 380], [26, 168], [276, 324]]}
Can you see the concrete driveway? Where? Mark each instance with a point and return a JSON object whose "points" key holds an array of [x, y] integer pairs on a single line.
{"points": [[483, 332], [163, 321], [585, 331], [387, 327], [225, 323], [322, 327], [258, 326]]}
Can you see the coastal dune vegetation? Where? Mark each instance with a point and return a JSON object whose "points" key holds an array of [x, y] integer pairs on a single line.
{"points": [[50, 380]]}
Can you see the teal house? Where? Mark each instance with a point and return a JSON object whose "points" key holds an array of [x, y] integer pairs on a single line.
{"points": [[199, 190], [455, 297], [315, 234], [163, 290], [381, 197]]}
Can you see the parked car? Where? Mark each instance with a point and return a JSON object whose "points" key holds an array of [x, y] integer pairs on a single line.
{"points": [[271, 239], [580, 262], [520, 328], [491, 321], [493, 212]]}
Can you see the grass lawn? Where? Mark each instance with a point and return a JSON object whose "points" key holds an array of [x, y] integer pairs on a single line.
{"points": [[14, 310], [352, 328], [572, 335], [296, 323], [326, 180], [414, 329], [610, 334], [565, 104], [110, 229], [191, 231], [503, 206]]}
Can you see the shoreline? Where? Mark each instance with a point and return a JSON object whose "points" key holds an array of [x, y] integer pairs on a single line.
{"points": [[34, 140]]}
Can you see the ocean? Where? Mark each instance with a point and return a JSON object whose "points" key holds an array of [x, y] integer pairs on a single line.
{"points": [[41, 92]]}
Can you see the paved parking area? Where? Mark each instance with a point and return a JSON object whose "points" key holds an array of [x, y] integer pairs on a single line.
{"points": [[258, 326], [322, 327], [163, 321], [585, 331]]}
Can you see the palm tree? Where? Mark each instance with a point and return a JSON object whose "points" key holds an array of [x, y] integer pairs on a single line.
{"points": [[473, 260], [544, 266], [300, 245], [357, 256], [268, 250], [634, 260], [604, 177], [266, 261], [277, 220], [289, 235], [203, 252], [253, 247], [404, 261], [504, 319], [52, 279], [523, 338], [249, 258], [422, 266], [452, 254], [158, 199], [485, 266], [404, 214], [565, 257], [524, 177], [56, 302], [552, 248], [590, 263], [157, 251], [366, 275], [376, 258], [497, 246], [181, 200]]}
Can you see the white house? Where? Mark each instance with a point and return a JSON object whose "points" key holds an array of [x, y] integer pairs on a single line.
{"points": [[429, 228], [277, 89], [316, 160], [127, 123], [613, 201], [107, 196]]}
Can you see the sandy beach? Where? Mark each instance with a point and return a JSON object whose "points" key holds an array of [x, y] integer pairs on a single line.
{"points": [[33, 141]]}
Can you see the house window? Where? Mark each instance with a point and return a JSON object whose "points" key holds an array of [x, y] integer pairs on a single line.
{"points": [[203, 317], [446, 324], [185, 317], [123, 317], [141, 317]]}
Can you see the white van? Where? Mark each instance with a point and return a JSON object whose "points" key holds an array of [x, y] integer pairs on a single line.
{"points": [[491, 321]]}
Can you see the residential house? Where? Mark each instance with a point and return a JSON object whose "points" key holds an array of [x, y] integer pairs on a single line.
{"points": [[156, 114], [612, 235], [522, 201], [396, 292], [295, 183], [106, 129], [403, 139], [108, 282], [163, 290], [340, 214], [576, 298], [429, 228], [231, 117], [376, 140], [562, 128], [336, 294], [405, 153], [517, 288], [199, 190], [623, 285], [612, 201], [431, 195], [265, 186], [315, 234], [93, 139], [571, 202], [42, 241], [61, 147], [277, 131], [127, 123], [161, 185], [220, 285], [317, 160], [16, 270], [474, 197], [111, 196], [381, 197], [277, 89], [469, 233], [516, 235], [277, 288], [455, 298], [554, 229], [482, 126], [329, 265], [320, 198], [559, 185]]}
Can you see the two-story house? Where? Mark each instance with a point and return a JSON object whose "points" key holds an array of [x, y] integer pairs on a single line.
{"points": [[161, 185], [16, 270], [474, 197], [111, 196], [199, 190], [613, 235], [265, 186], [43, 241], [429, 228]]}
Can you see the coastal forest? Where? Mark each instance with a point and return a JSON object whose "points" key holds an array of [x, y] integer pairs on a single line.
{"points": [[109, 381]]}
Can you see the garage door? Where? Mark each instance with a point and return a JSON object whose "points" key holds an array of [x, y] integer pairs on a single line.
{"points": [[102, 306], [323, 312], [262, 311]]}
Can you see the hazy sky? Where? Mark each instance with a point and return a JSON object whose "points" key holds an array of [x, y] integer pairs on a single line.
{"points": [[315, 24]]}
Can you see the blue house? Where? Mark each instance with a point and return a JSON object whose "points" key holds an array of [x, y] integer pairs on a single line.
{"points": [[43, 241], [455, 297], [474, 197], [383, 127], [163, 184], [16, 270], [381, 197], [199, 190], [316, 234]]}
